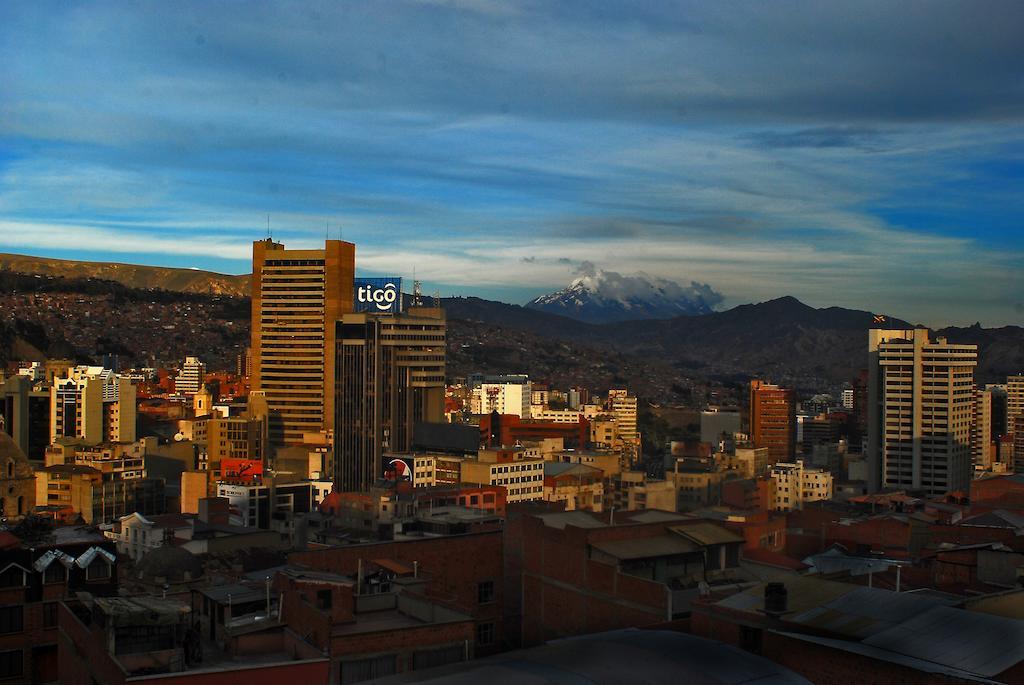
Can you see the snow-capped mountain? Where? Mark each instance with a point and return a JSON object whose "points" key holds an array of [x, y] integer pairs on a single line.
{"points": [[599, 296]]}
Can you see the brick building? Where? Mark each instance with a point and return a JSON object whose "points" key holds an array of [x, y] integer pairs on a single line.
{"points": [[464, 572], [36, 574]]}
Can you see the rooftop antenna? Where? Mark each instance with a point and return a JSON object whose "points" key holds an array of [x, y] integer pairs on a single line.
{"points": [[417, 292], [327, 230], [269, 237]]}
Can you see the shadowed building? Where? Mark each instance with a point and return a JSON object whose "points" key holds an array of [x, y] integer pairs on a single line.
{"points": [[773, 420], [389, 377]]}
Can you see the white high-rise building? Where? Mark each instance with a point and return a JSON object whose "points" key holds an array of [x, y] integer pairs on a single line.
{"points": [[190, 379], [921, 407], [504, 398]]}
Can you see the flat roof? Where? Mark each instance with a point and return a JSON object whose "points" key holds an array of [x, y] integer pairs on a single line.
{"points": [[645, 548]]}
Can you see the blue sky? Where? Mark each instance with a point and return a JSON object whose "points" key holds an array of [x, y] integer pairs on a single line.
{"points": [[867, 155]]}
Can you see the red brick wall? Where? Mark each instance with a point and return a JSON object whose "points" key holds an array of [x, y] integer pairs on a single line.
{"points": [[453, 566]]}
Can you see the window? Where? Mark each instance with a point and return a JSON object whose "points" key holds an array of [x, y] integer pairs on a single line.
{"points": [[485, 592], [323, 599], [11, 619], [485, 634], [50, 615], [10, 664], [367, 669]]}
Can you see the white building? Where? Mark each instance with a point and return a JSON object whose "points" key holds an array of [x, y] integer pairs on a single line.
{"points": [[796, 485], [540, 412], [848, 398], [504, 398], [190, 379]]}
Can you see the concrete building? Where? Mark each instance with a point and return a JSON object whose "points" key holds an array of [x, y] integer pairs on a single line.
{"points": [[921, 406], [94, 404], [636, 491], [981, 430], [510, 397], [521, 475], [25, 414], [391, 370], [796, 485], [190, 378], [1014, 398], [716, 423], [99, 482], [17, 482], [297, 295], [579, 486], [773, 420]]}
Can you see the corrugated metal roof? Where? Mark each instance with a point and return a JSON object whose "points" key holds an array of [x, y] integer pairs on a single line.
{"points": [[888, 656], [707, 534], [580, 519], [645, 548], [867, 611], [561, 468], [977, 643]]}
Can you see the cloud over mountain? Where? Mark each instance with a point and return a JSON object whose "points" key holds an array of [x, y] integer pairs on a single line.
{"points": [[600, 296]]}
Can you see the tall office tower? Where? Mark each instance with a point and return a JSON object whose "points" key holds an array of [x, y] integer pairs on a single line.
{"points": [[981, 430], [93, 404], [1000, 427], [390, 375], [25, 415], [190, 379], [773, 420], [921, 405], [1014, 400], [297, 295]]}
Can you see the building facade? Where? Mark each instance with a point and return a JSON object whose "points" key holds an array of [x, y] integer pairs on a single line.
{"points": [[297, 295], [390, 376], [773, 420], [922, 406]]}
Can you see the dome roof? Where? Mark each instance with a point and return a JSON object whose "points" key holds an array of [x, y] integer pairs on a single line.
{"points": [[169, 563]]}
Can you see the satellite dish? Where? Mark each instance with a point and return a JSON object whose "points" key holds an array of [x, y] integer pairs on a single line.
{"points": [[178, 437]]}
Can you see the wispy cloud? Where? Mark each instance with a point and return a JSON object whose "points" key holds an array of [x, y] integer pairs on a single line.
{"points": [[868, 156]]}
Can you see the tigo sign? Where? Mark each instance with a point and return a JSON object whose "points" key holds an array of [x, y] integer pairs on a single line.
{"points": [[378, 295]]}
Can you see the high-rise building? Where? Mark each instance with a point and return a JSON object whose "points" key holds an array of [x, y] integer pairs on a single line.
{"points": [[981, 430], [93, 404], [921, 409], [796, 484], [25, 414], [190, 378], [390, 376], [773, 420], [1000, 426], [1014, 399], [297, 295], [506, 396]]}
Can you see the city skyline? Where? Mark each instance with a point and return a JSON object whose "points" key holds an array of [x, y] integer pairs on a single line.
{"points": [[865, 158]]}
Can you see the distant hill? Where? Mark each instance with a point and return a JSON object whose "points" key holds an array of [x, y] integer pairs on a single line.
{"points": [[663, 359], [131, 275]]}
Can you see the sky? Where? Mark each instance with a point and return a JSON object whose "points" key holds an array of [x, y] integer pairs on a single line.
{"points": [[866, 155]]}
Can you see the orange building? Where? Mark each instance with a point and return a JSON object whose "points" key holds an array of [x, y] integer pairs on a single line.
{"points": [[297, 295], [773, 420]]}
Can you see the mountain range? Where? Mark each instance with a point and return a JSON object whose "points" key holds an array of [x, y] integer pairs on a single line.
{"points": [[781, 339], [600, 296]]}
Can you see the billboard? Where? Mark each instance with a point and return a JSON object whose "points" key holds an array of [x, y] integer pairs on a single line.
{"points": [[398, 469], [379, 295], [247, 469]]}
